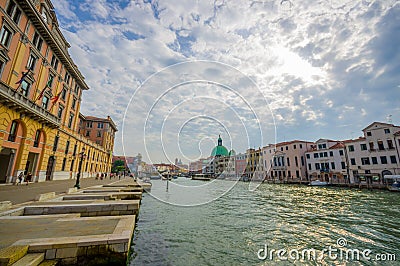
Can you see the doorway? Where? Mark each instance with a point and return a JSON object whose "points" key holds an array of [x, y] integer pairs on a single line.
{"points": [[6, 162], [50, 168]]}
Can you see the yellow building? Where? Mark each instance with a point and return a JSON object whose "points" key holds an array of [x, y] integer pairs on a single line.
{"points": [[40, 98]]}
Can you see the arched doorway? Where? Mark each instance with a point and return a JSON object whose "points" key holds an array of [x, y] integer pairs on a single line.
{"points": [[7, 157]]}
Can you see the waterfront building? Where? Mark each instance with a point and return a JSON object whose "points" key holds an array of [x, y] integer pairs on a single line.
{"points": [[374, 155], [254, 163], [285, 161], [40, 98], [326, 161], [240, 164]]}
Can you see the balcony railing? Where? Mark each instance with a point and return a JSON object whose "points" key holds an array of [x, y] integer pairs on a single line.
{"points": [[18, 102]]}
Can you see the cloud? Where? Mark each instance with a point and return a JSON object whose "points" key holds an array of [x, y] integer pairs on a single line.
{"points": [[320, 65]]}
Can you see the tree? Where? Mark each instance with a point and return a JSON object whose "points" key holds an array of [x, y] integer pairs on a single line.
{"points": [[118, 166]]}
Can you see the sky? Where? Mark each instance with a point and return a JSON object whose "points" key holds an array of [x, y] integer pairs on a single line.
{"points": [[174, 75]]}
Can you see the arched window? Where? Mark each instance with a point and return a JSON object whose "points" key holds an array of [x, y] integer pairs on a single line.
{"points": [[13, 131], [37, 139]]}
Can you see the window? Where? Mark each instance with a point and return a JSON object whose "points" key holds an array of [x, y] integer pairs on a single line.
{"points": [[67, 147], [393, 159], [294, 146], [73, 103], [45, 102], [332, 165], [301, 146], [365, 161], [371, 146], [390, 144], [288, 161], [89, 124], [353, 161], [321, 154], [63, 94], [351, 148], [317, 166], [315, 155], [50, 81], [67, 78], [37, 41], [54, 62], [100, 125], [302, 160], [341, 152], [25, 86], [63, 164], [369, 134], [363, 146], [309, 166], [383, 160], [32, 62], [75, 148], [308, 156], [87, 133], [13, 11], [55, 143], [70, 120], [343, 165], [98, 133], [296, 161], [72, 165], [13, 131], [374, 160], [77, 89], [325, 154], [380, 145], [37, 139], [60, 111], [5, 36], [387, 131], [331, 153]]}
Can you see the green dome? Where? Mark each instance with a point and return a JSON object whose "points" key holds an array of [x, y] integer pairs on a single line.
{"points": [[219, 151], [232, 153]]}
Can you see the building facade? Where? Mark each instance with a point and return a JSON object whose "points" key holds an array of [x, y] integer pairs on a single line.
{"points": [[374, 155], [285, 161], [40, 98], [327, 161]]}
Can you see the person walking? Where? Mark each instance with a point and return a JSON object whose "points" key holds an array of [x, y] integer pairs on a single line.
{"points": [[28, 178], [20, 177]]}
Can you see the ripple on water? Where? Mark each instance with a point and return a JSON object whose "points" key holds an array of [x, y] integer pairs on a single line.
{"points": [[230, 230]]}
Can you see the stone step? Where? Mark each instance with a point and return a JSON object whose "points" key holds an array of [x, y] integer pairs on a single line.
{"points": [[30, 259], [49, 263], [11, 254]]}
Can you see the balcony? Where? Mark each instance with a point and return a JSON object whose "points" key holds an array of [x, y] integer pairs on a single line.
{"points": [[16, 101]]}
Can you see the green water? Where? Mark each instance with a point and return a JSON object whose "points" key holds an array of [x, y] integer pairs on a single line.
{"points": [[232, 229]]}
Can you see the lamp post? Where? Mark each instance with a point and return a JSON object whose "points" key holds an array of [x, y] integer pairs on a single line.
{"points": [[82, 156]]}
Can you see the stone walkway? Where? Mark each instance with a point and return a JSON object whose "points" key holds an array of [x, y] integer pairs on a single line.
{"points": [[23, 193]]}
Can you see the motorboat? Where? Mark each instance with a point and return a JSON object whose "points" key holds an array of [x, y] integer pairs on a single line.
{"points": [[395, 187], [318, 183]]}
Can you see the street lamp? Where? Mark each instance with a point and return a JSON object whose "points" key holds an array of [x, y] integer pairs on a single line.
{"points": [[82, 156]]}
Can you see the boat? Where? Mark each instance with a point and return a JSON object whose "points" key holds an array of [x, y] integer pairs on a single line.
{"points": [[174, 176], [155, 177], [201, 177], [395, 187], [318, 183]]}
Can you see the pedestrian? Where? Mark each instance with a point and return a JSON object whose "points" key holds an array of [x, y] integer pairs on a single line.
{"points": [[20, 177], [28, 178]]}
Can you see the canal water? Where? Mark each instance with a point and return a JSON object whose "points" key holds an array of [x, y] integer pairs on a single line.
{"points": [[242, 226]]}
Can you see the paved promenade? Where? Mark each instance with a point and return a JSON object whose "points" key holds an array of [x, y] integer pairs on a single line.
{"points": [[23, 193]]}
